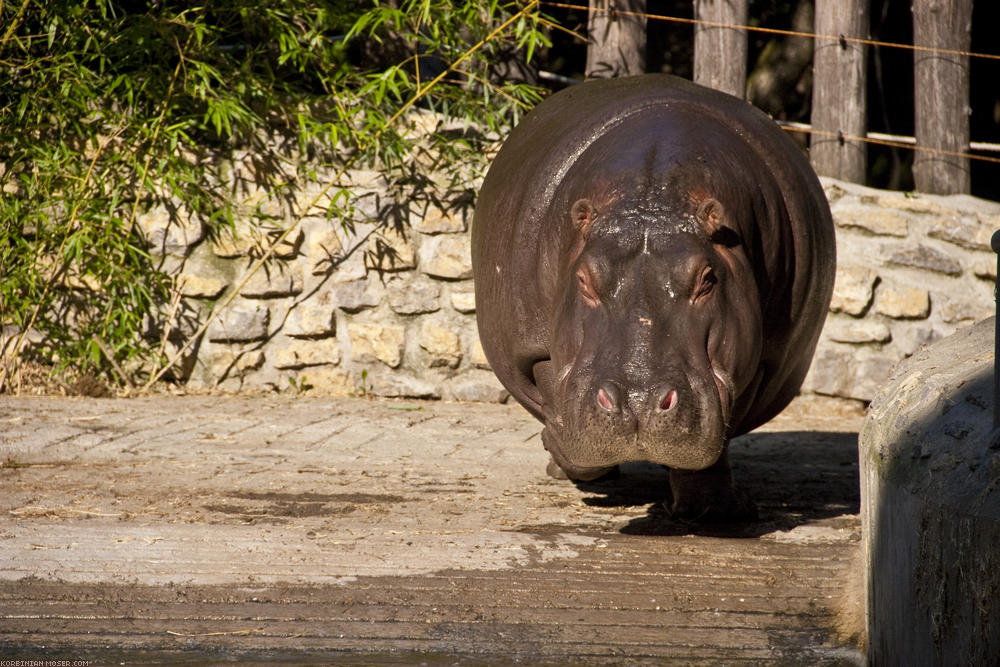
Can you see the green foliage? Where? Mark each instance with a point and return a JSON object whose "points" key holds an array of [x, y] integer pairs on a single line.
{"points": [[111, 108]]}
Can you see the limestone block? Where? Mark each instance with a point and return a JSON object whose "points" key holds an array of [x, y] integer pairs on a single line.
{"points": [[879, 221], [985, 269], [869, 374], [169, 233], [927, 258], [357, 295], [240, 322], [966, 231], [325, 381], [313, 318], [447, 256], [246, 239], [828, 373], [477, 357], [849, 372], [322, 247], [433, 220], [853, 290], [954, 310], [297, 353], [463, 301], [199, 287], [229, 362], [371, 341], [902, 302], [910, 337], [399, 385], [414, 297], [274, 281], [477, 386], [443, 345], [857, 331], [389, 250], [913, 203]]}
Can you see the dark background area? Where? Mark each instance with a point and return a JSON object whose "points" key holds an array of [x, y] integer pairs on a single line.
{"points": [[890, 74]]}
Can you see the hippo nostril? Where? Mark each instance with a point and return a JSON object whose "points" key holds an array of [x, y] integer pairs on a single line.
{"points": [[607, 397], [669, 400]]}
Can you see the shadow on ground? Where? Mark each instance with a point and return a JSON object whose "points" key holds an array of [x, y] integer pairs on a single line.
{"points": [[793, 477]]}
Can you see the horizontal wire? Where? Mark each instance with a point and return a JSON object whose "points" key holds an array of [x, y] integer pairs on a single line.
{"points": [[778, 31], [878, 138]]}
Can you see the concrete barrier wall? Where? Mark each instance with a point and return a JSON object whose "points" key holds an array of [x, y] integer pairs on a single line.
{"points": [[392, 313]]}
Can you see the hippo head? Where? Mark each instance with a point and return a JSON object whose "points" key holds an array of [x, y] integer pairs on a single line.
{"points": [[657, 332]]}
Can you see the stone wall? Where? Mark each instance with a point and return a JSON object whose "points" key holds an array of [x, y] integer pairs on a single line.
{"points": [[331, 315], [910, 269]]}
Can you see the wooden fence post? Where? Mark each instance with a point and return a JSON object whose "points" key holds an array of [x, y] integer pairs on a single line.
{"points": [[720, 54], [839, 79], [941, 94], [617, 38]]}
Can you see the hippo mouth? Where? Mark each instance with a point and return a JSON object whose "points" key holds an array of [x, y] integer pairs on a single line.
{"points": [[682, 427]]}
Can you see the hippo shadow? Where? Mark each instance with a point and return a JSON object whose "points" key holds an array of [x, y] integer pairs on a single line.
{"points": [[793, 478]]}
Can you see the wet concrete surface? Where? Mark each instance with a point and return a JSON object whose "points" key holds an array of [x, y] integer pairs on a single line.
{"points": [[353, 531]]}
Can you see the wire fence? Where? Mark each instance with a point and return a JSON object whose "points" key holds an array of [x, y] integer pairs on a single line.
{"points": [[877, 138]]}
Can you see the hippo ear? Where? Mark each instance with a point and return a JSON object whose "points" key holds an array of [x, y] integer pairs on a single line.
{"points": [[712, 216], [582, 213]]}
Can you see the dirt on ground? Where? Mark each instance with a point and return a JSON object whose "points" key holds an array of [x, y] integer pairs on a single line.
{"points": [[354, 531]]}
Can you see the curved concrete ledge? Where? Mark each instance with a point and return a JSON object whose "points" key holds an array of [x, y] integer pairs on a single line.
{"points": [[930, 484]]}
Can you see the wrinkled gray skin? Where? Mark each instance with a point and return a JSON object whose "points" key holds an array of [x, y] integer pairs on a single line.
{"points": [[653, 265]]}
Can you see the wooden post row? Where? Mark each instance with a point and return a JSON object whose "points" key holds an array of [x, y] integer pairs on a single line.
{"points": [[839, 107], [720, 54], [941, 94]]}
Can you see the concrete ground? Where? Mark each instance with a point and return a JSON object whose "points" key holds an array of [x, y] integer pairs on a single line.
{"points": [[354, 531]]}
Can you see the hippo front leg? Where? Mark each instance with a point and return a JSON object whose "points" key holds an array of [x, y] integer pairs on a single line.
{"points": [[709, 495]]}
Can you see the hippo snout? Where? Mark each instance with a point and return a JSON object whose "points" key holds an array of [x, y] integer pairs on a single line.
{"points": [[609, 398]]}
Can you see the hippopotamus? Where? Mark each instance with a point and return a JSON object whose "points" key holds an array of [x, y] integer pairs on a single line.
{"points": [[653, 264]]}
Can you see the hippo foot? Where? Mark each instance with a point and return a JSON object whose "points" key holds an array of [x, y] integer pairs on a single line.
{"points": [[708, 496], [554, 470]]}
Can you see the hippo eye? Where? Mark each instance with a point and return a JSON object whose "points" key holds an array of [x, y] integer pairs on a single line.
{"points": [[586, 289], [706, 283]]}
